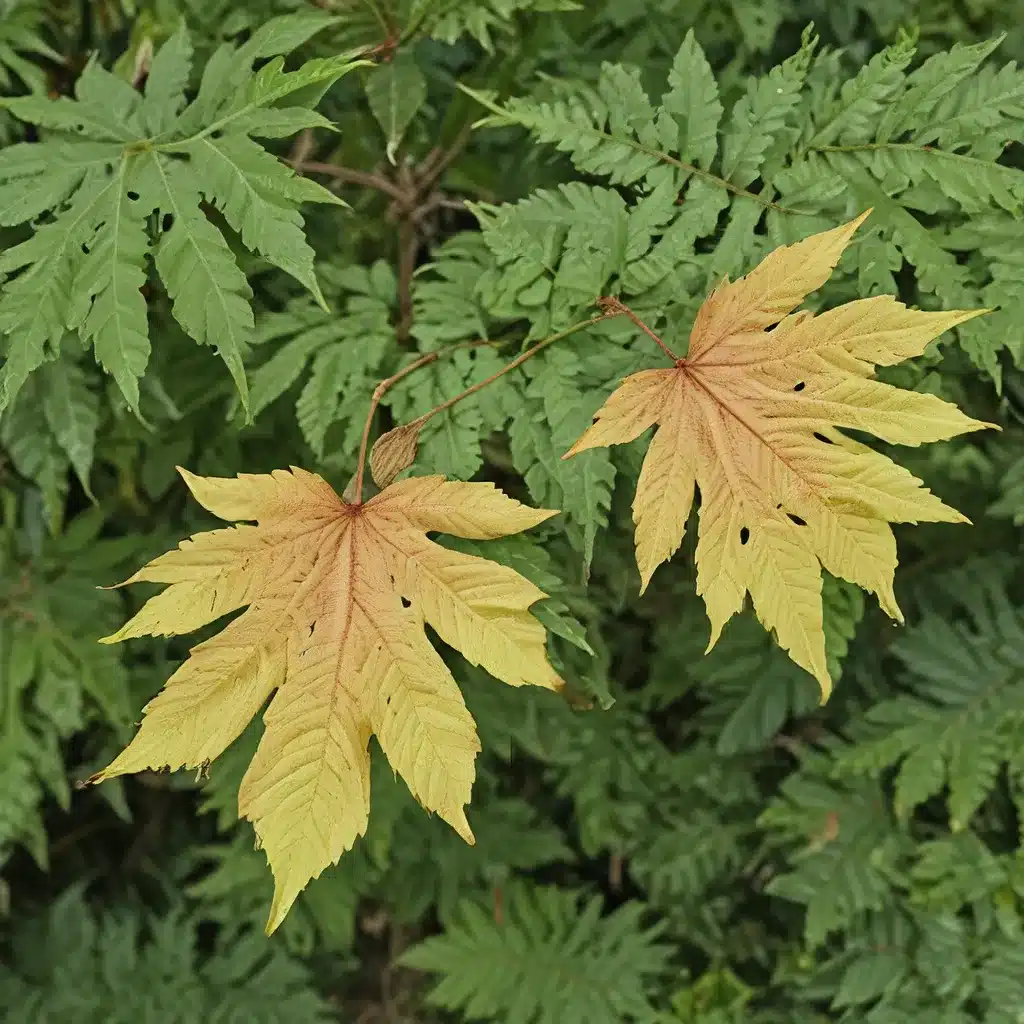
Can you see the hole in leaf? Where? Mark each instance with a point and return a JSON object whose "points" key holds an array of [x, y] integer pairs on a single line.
{"points": [[744, 535], [799, 386], [312, 627], [406, 603], [217, 134], [133, 196], [166, 221], [822, 437], [797, 519], [85, 249]]}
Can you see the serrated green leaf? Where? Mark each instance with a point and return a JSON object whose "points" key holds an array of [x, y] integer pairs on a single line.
{"points": [[239, 176], [35, 307], [691, 110], [108, 306], [271, 379], [317, 406], [759, 117], [166, 82], [209, 293], [280, 122], [396, 91], [71, 409]]}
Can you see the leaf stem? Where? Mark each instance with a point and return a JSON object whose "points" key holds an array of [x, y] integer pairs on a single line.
{"points": [[430, 357], [517, 362], [384, 386], [613, 307]]}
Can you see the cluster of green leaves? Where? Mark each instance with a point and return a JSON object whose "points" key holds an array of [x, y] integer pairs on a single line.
{"points": [[70, 964], [683, 838]]}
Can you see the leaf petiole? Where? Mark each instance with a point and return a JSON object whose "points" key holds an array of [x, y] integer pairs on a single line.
{"points": [[430, 357]]}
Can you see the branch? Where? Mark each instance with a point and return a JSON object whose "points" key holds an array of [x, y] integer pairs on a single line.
{"points": [[613, 307], [430, 357], [350, 176]]}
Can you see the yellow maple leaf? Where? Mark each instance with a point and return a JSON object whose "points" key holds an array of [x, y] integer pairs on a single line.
{"points": [[337, 598], [749, 418]]}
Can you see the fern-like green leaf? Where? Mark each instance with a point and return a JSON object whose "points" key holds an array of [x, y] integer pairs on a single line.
{"points": [[551, 961]]}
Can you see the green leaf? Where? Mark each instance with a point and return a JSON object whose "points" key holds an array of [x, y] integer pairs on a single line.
{"points": [[396, 91], [318, 404], [139, 176], [166, 82], [270, 380], [543, 430], [759, 117], [239, 177], [109, 307], [271, 84], [552, 961], [35, 307], [104, 108], [209, 293], [71, 409], [691, 110], [280, 122], [285, 33]]}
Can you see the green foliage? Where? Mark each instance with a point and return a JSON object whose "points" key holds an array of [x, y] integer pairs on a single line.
{"points": [[679, 837], [133, 169], [548, 959], [126, 966]]}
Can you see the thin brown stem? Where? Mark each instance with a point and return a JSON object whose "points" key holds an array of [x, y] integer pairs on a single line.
{"points": [[409, 246], [515, 364], [351, 176], [385, 385], [439, 160], [302, 149], [613, 307]]}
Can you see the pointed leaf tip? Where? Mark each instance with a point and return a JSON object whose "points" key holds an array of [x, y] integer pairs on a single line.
{"points": [[461, 825]]}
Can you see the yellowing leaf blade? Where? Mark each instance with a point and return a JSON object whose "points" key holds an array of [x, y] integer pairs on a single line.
{"points": [[779, 283], [752, 414], [307, 790], [338, 596], [206, 704], [664, 495]]}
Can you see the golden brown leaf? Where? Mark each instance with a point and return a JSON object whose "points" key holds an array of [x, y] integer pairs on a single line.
{"points": [[337, 597], [749, 418]]}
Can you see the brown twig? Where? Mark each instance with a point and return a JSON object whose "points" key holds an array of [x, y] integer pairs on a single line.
{"points": [[615, 872], [408, 248], [389, 382], [613, 307], [351, 176], [385, 385], [439, 160], [302, 148]]}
